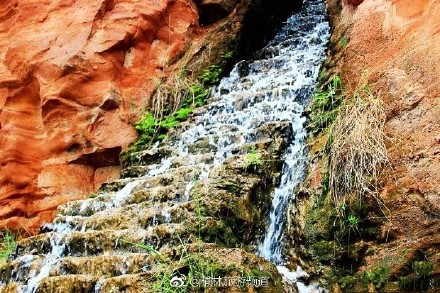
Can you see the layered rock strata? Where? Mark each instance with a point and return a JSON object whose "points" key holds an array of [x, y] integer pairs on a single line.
{"points": [[74, 76]]}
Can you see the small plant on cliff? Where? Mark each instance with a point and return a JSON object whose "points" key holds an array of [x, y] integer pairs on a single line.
{"points": [[7, 244], [379, 276], [343, 41], [353, 221], [358, 150], [213, 73], [253, 160]]}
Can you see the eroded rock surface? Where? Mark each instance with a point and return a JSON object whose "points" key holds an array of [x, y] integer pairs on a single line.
{"points": [[394, 47], [403, 67], [74, 75]]}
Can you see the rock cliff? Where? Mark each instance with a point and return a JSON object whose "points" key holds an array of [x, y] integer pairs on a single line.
{"points": [[74, 76], [394, 48]]}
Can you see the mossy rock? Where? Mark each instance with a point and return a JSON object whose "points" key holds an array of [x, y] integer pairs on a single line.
{"points": [[323, 251]]}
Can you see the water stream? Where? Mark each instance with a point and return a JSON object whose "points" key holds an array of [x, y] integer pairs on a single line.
{"points": [[306, 33], [274, 87]]}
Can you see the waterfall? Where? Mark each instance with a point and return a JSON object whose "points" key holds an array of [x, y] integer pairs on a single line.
{"points": [[274, 87], [308, 31]]}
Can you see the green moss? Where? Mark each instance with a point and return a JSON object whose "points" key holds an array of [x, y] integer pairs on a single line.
{"points": [[320, 219], [359, 282], [347, 283], [253, 160], [194, 266], [232, 187], [323, 251]]}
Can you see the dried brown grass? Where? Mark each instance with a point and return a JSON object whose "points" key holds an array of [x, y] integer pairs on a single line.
{"points": [[169, 95], [358, 152]]}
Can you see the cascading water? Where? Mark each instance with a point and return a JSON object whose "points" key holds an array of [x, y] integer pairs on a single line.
{"points": [[309, 40], [310, 35], [274, 87]]}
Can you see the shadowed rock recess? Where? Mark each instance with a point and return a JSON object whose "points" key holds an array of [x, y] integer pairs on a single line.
{"points": [[199, 201]]}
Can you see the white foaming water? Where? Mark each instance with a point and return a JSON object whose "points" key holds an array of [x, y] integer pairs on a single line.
{"points": [[166, 215], [305, 58], [122, 194], [313, 41], [57, 251], [273, 88]]}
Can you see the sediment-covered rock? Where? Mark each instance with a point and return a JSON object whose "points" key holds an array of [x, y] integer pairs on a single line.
{"points": [[127, 237]]}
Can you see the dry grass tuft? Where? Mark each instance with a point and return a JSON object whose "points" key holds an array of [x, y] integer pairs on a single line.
{"points": [[358, 151], [170, 95]]}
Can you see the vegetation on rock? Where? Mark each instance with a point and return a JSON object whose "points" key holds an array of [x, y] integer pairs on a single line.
{"points": [[325, 105], [166, 114], [358, 151], [7, 244]]}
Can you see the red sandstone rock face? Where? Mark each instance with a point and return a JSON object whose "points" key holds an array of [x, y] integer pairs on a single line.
{"points": [[73, 75], [396, 45]]}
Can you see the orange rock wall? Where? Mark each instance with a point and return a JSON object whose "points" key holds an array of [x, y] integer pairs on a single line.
{"points": [[73, 75], [396, 45]]}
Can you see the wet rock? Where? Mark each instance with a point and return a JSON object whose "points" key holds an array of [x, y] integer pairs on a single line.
{"points": [[201, 146]]}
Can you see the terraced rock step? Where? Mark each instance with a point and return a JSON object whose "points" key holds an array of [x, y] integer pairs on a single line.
{"points": [[95, 244]]}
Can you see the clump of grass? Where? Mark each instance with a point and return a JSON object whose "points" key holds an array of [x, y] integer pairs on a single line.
{"points": [[325, 105], [179, 91], [172, 104], [214, 72], [420, 277], [358, 150], [8, 242]]}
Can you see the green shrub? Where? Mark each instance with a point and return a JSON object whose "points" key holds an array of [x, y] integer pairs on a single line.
{"points": [[378, 277]]}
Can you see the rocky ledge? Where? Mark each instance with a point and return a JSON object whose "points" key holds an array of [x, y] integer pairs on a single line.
{"points": [[143, 228]]}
